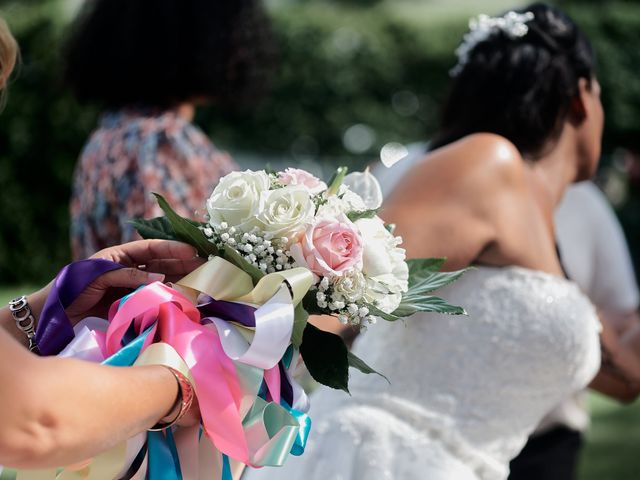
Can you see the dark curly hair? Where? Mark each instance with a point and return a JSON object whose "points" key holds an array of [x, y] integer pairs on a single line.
{"points": [[157, 53], [519, 88]]}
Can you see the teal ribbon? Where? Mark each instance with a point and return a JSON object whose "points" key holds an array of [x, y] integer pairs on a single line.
{"points": [[287, 357], [174, 452], [162, 465], [226, 468], [303, 419], [127, 355], [303, 433]]}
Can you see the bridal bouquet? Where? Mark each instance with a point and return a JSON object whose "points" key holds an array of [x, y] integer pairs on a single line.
{"points": [[280, 246], [267, 221]]}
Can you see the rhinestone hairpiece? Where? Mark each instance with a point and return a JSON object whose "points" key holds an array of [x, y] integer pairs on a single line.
{"points": [[513, 24]]}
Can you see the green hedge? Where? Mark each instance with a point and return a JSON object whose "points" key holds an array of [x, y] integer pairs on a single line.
{"points": [[385, 66]]}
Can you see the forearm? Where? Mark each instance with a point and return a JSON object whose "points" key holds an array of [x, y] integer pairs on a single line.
{"points": [[610, 383], [619, 376], [62, 411], [36, 303]]}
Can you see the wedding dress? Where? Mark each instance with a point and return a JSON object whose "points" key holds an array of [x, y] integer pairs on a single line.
{"points": [[465, 392]]}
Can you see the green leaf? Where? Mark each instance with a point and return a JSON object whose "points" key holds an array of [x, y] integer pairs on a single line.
{"points": [[233, 256], [373, 310], [425, 278], [420, 303], [426, 303], [301, 316], [155, 228], [187, 230], [326, 358], [359, 364], [336, 180], [430, 282], [419, 266], [354, 216]]}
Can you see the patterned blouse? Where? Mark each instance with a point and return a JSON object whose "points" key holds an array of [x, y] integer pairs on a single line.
{"points": [[130, 155]]}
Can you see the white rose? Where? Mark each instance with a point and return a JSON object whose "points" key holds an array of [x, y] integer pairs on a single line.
{"points": [[286, 211], [344, 202], [384, 265], [366, 186], [350, 286], [236, 200]]}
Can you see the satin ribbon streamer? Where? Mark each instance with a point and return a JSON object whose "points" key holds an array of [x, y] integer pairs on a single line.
{"points": [[235, 347]]}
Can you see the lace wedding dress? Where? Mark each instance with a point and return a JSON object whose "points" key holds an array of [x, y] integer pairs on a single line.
{"points": [[465, 392]]}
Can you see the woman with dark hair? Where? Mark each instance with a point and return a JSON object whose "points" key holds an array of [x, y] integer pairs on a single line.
{"points": [[523, 121], [149, 63]]}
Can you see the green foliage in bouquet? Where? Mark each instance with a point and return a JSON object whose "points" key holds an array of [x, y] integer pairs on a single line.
{"points": [[425, 277]]}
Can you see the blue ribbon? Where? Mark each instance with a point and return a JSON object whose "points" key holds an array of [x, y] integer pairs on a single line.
{"points": [[162, 464], [126, 356], [303, 434], [226, 468]]}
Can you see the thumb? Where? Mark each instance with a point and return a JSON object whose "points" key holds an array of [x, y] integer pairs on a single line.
{"points": [[129, 278]]}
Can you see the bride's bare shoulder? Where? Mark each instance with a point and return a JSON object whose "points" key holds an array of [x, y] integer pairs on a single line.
{"points": [[478, 163], [485, 154]]}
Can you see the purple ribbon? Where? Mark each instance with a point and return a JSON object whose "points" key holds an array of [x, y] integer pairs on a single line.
{"points": [[244, 315], [228, 311], [286, 390], [54, 330]]}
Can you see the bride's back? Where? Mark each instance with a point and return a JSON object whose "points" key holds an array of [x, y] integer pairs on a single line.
{"points": [[475, 201]]}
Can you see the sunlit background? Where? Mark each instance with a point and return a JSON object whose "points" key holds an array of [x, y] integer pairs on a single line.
{"points": [[357, 79]]}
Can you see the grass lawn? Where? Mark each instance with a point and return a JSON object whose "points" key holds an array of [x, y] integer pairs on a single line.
{"points": [[613, 446]]}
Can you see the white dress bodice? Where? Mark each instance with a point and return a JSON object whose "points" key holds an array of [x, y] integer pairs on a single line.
{"points": [[465, 392]]}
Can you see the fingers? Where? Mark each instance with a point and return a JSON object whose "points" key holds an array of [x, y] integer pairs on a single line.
{"points": [[142, 252], [173, 267], [166, 249], [128, 278]]}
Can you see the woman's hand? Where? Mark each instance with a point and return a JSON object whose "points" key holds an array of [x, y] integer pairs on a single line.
{"points": [[145, 261]]}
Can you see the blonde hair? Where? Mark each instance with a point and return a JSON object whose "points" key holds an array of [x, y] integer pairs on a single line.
{"points": [[8, 57]]}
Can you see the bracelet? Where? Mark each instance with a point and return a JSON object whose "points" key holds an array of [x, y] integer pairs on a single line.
{"points": [[183, 401], [25, 321]]}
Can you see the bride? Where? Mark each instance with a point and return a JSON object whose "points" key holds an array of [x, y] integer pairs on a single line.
{"points": [[523, 121]]}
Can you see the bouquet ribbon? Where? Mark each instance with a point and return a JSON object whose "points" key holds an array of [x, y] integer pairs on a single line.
{"points": [[235, 348]]}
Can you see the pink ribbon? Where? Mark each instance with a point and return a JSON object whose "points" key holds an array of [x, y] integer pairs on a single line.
{"points": [[217, 385]]}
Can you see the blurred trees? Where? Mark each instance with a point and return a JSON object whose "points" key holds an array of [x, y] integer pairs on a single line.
{"points": [[354, 76]]}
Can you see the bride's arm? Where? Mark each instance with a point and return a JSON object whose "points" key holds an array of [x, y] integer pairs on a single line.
{"points": [[619, 376]]}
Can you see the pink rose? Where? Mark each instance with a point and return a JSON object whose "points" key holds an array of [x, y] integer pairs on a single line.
{"points": [[296, 176], [329, 247]]}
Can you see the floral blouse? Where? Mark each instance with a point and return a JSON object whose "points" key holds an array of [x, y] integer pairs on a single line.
{"points": [[131, 154]]}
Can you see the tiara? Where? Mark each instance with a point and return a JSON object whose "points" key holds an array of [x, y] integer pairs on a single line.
{"points": [[512, 24]]}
